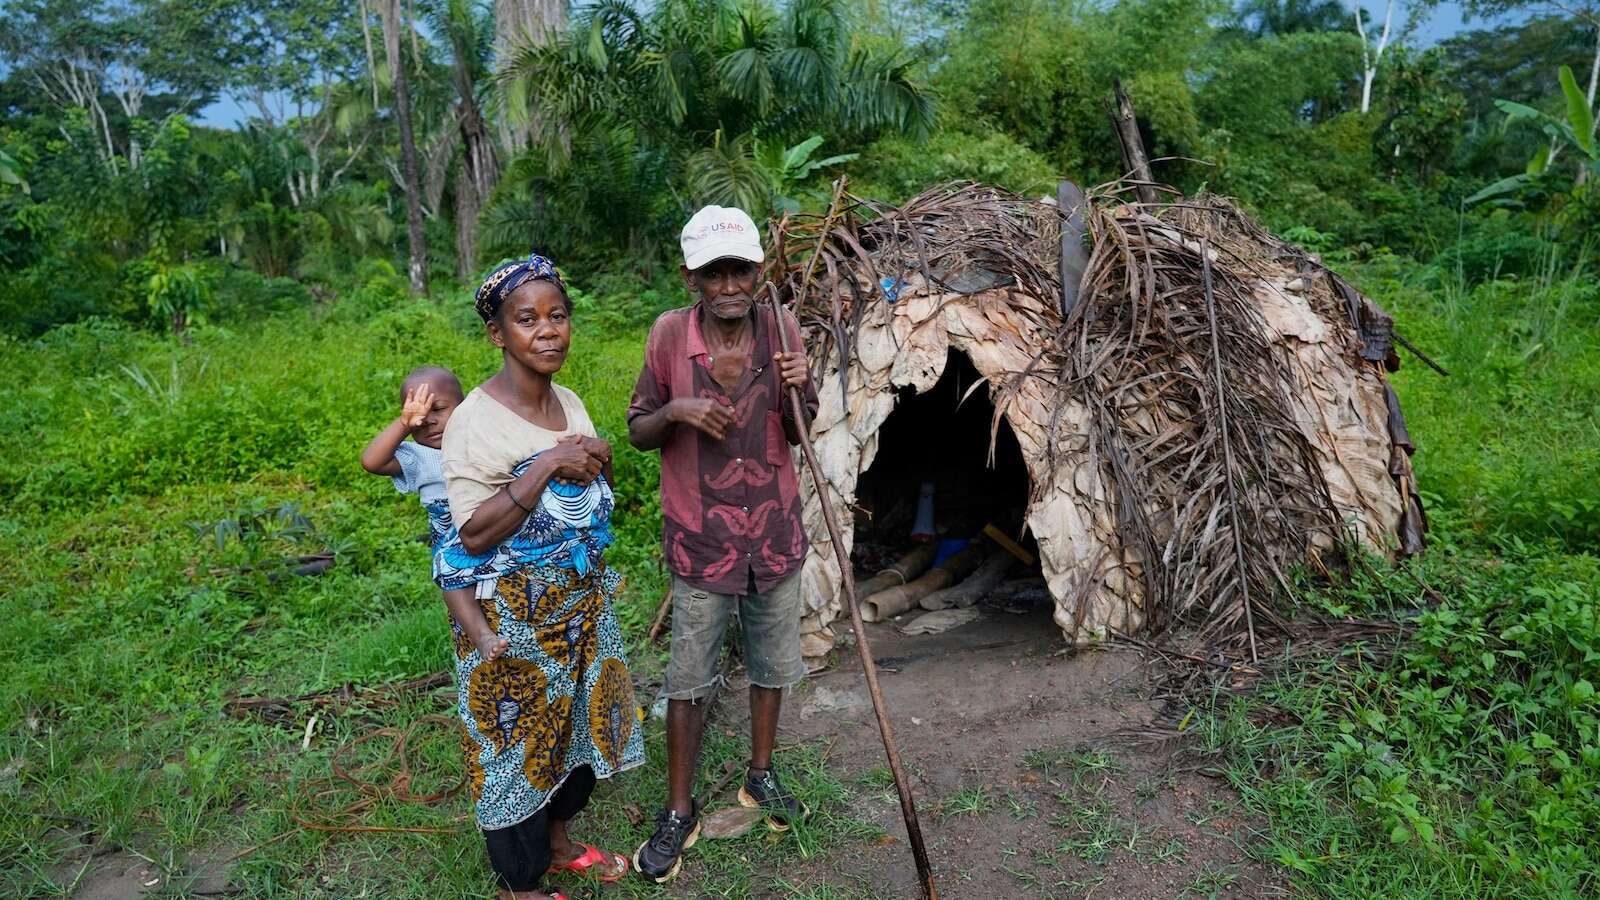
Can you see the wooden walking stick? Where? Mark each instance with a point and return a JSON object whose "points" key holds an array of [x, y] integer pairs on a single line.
{"points": [[908, 806]]}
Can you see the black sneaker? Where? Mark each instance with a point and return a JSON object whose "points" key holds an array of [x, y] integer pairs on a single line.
{"points": [[659, 859], [763, 791]]}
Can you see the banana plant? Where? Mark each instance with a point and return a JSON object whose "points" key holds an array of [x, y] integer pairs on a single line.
{"points": [[1574, 132], [759, 174], [789, 167]]}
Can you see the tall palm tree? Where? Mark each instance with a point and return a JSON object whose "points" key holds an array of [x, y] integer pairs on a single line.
{"points": [[418, 267], [468, 28], [689, 70], [519, 22]]}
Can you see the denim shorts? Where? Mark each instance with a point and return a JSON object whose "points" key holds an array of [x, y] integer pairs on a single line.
{"points": [[769, 626]]}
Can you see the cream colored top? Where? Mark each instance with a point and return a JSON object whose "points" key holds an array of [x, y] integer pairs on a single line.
{"points": [[485, 441]]}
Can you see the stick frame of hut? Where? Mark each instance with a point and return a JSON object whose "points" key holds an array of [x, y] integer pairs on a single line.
{"points": [[1206, 409]]}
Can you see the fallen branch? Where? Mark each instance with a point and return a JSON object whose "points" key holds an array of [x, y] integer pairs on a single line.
{"points": [[661, 617], [339, 697]]}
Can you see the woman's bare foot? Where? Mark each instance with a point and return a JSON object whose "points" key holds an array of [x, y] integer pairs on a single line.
{"points": [[490, 645], [562, 848]]}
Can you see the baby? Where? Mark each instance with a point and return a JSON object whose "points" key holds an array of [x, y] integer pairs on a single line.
{"points": [[428, 396]]}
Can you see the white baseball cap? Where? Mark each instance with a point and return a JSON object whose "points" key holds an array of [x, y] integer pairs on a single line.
{"points": [[717, 232]]}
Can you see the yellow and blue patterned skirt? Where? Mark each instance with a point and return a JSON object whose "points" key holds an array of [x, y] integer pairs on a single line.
{"points": [[560, 697]]}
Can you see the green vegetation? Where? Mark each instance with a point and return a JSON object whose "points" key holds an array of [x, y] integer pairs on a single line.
{"points": [[205, 324], [1465, 759]]}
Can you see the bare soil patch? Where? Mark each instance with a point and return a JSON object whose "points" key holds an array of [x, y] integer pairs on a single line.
{"points": [[1023, 786]]}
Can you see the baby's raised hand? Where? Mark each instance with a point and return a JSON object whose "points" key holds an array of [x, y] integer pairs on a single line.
{"points": [[418, 402], [490, 645]]}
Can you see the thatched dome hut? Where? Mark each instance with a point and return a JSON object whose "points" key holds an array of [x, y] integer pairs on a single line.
{"points": [[1202, 410]]}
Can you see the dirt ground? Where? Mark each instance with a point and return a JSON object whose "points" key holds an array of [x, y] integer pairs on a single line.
{"points": [[1023, 787]]}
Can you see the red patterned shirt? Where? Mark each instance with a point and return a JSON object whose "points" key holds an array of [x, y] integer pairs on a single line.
{"points": [[729, 508]]}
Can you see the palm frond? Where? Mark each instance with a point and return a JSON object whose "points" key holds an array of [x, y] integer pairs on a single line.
{"points": [[728, 174], [744, 65]]}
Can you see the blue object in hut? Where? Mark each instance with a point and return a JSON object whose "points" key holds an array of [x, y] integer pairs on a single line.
{"points": [[949, 547]]}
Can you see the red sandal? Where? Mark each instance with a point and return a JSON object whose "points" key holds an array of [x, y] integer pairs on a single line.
{"points": [[590, 859]]}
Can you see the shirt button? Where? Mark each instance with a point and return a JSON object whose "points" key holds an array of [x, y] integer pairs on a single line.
{"points": [[738, 462]]}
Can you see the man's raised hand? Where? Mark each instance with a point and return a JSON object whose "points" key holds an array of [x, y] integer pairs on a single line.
{"points": [[793, 369], [703, 413]]}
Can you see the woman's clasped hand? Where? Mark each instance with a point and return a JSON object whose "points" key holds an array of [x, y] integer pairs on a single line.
{"points": [[578, 458]]}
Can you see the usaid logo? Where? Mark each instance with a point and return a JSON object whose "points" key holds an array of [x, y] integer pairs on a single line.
{"points": [[720, 228]]}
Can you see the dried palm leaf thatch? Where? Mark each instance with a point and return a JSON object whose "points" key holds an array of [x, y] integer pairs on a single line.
{"points": [[1208, 416]]}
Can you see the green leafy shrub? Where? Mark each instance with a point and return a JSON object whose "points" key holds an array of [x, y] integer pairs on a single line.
{"points": [[378, 287], [894, 169], [1496, 246], [244, 295], [1467, 766]]}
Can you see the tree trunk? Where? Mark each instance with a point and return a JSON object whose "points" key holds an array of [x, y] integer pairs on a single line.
{"points": [[1594, 68], [408, 148], [517, 22], [478, 176], [366, 37], [1371, 57], [479, 168], [1135, 162], [468, 203]]}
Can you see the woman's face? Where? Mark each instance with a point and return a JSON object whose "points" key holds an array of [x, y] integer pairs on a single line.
{"points": [[534, 327]]}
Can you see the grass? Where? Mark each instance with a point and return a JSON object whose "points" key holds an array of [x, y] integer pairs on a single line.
{"points": [[969, 800], [1079, 764], [1211, 882], [155, 490]]}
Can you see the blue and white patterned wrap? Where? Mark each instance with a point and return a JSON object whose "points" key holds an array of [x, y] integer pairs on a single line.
{"points": [[569, 528], [439, 526]]}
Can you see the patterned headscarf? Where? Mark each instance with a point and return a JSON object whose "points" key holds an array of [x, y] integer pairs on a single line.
{"points": [[507, 277]]}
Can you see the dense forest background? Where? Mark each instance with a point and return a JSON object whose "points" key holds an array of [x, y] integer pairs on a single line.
{"points": [[437, 136], [202, 326]]}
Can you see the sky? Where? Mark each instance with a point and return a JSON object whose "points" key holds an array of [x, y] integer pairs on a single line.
{"points": [[1446, 19]]}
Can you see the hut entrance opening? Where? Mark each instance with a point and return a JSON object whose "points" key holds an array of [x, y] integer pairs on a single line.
{"points": [[928, 498]]}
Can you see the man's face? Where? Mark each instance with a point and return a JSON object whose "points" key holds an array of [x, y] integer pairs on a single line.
{"points": [[726, 286]]}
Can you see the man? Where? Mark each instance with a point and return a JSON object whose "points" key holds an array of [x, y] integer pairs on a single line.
{"points": [[711, 397]]}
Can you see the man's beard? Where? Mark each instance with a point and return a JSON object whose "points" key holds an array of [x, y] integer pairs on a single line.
{"points": [[716, 307]]}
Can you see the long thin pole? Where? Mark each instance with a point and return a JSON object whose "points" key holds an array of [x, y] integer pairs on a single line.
{"points": [[908, 806], [1127, 126]]}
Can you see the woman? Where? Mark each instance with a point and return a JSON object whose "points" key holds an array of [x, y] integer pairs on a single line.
{"points": [[529, 487]]}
